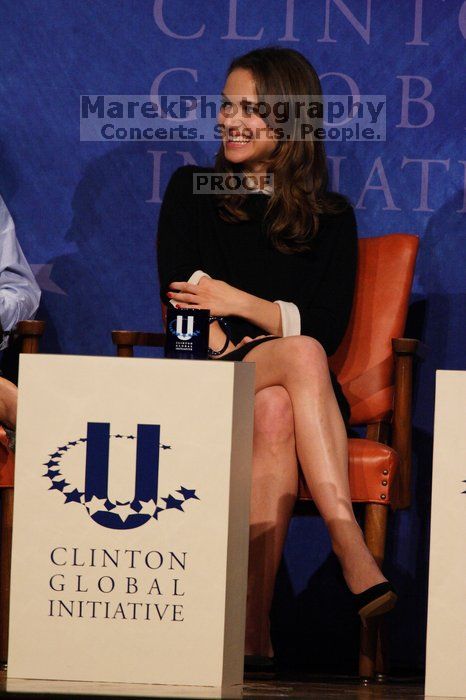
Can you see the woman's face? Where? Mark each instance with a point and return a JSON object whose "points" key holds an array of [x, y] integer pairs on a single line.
{"points": [[246, 138]]}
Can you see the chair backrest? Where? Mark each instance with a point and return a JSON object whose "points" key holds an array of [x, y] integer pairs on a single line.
{"points": [[363, 362]]}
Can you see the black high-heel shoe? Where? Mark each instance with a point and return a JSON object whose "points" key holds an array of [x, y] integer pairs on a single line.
{"points": [[375, 600]]}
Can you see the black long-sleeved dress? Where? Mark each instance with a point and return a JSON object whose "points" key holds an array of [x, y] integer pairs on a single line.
{"points": [[320, 282]]}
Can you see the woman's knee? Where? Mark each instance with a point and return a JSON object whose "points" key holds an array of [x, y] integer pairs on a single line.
{"points": [[273, 416], [304, 356]]}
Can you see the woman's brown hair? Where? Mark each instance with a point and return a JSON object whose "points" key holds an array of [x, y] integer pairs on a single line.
{"points": [[299, 167]]}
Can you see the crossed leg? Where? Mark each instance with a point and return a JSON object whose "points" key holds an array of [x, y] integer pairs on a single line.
{"points": [[295, 397]]}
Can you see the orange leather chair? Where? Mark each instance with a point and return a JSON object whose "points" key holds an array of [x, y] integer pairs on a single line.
{"points": [[374, 366], [26, 336]]}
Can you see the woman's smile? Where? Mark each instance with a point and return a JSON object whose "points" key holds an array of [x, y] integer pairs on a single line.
{"points": [[236, 139]]}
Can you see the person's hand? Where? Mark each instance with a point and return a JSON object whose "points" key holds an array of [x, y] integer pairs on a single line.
{"points": [[221, 298], [247, 340], [8, 403]]}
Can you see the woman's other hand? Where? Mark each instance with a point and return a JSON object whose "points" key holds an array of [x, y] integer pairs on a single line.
{"points": [[221, 298], [247, 339]]}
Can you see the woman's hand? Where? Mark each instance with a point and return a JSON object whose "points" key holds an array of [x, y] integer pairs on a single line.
{"points": [[221, 298], [247, 340], [8, 403], [242, 342]]}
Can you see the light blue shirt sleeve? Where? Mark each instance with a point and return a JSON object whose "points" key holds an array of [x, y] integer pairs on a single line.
{"points": [[19, 291]]}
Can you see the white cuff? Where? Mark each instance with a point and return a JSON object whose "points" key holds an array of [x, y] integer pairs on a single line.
{"points": [[291, 318], [194, 279], [196, 276]]}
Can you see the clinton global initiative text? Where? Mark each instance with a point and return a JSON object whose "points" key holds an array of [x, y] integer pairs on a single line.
{"points": [[108, 610], [83, 576], [114, 558]]}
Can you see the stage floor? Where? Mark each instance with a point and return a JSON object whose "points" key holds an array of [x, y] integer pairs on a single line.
{"points": [[331, 687]]}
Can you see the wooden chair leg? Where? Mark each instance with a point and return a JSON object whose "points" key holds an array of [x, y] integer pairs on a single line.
{"points": [[375, 531], [5, 568]]}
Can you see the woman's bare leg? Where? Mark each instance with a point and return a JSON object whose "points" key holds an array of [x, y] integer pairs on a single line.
{"points": [[299, 364], [274, 488]]}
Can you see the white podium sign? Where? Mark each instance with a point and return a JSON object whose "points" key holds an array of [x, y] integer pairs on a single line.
{"points": [[130, 532], [446, 621]]}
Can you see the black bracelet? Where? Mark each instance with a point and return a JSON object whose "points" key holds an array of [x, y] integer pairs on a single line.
{"points": [[223, 324]]}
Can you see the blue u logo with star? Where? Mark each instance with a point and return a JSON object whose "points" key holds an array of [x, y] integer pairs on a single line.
{"points": [[118, 515]]}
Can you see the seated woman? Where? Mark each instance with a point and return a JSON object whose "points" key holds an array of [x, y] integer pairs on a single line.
{"points": [[279, 269]]}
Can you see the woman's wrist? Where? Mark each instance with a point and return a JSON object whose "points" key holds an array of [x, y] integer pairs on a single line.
{"points": [[244, 305], [262, 313]]}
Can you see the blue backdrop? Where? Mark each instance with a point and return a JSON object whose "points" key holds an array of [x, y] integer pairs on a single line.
{"points": [[86, 212]]}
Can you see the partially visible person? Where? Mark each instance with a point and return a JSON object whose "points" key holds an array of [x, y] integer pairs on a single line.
{"points": [[19, 291], [19, 301], [8, 405]]}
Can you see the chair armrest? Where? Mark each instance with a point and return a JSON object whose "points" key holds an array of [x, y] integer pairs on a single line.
{"points": [[126, 340], [405, 350], [28, 334], [410, 346]]}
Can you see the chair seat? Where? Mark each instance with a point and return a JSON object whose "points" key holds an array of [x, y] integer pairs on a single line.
{"points": [[372, 469], [7, 462]]}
